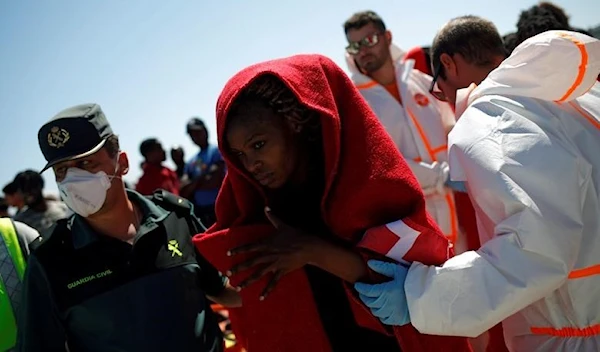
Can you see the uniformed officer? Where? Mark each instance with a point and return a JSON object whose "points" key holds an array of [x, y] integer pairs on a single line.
{"points": [[121, 274]]}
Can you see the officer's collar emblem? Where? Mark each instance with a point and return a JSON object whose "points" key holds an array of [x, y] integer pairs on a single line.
{"points": [[173, 246]]}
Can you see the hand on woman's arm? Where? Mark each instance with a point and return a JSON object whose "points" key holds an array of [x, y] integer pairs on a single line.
{"points": [[345, 263]]}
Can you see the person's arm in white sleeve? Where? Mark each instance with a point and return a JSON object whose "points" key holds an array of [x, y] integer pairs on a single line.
{"points": [[431, 177], [530, 186], [26, 235]]}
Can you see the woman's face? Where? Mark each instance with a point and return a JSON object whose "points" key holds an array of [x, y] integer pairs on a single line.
{"points": [[266, 146]]}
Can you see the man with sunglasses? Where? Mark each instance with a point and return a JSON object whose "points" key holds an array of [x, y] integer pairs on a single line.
{"points": [[527, 143], [416, 121]]}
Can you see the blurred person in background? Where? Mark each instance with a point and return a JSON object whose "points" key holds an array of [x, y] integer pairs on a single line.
{"points": [[3, 208], [40, 213], [510, 42], [538, 19], [203, 173], [16, 242], [178, 158], [421, 56], [13, 197], [541, 18], [560, 14], [155, 174]]}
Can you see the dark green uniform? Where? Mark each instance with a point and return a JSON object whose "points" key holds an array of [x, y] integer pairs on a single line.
{"points": [[102, 294]]}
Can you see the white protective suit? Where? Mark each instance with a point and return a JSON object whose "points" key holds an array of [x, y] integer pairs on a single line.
{"points": [[528, 145], [419, 128]]}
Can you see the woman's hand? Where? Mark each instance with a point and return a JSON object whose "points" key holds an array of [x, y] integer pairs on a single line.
{"points": [[287, 250]]}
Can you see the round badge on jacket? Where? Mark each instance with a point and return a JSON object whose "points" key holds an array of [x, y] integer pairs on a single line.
{"points": [[421, 99]]}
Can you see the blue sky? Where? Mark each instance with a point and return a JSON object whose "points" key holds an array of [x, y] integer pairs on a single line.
{"points": [[152, 64]]}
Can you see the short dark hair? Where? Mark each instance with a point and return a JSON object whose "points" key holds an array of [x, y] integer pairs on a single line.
{"points": [[510, 42], [3, 204], [363, 18], [29, 181], [475, 38], [536, 20], [557, 11], [148, 145], [112, 146], [11, 188], [195, 123]]}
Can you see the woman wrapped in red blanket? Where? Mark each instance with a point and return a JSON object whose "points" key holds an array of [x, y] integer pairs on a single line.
{"points": [[312, 181]]}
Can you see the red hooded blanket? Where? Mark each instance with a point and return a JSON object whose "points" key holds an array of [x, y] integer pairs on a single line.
{"points": [[368, 185]]}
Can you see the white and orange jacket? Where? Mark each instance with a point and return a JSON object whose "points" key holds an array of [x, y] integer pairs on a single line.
{"points": [[419, 128], [528, 144]]}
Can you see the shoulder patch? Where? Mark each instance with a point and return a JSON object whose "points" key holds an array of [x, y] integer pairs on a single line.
{"points": [[33, 246], [178, 205], [171, 202]]}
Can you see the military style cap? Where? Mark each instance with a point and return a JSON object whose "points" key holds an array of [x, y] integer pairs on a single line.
{"points": [[74, 133]]}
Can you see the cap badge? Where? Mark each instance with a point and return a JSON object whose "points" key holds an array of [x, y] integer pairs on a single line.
{"points": [[58, 137]]}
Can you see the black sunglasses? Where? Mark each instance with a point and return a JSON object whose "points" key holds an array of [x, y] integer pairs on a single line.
{"points": [[438, 94]]}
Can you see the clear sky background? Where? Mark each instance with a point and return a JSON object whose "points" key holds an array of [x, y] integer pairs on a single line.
{"points": [[152, 64]]}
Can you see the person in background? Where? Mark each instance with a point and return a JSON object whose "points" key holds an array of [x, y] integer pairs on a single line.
{"points": [[41, 214], [13, 197], [560, 14], [526, 143], [417, 122], [538, 19], [510, 42], [420, 54], [204, 173], [16, 239], [122, 273], [156, 175], [3, 208], [557, 12], [178, 158], [51, 197], [541, 18]]}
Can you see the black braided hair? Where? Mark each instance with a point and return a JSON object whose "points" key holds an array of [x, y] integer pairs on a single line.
{"points": [[269, 91]]}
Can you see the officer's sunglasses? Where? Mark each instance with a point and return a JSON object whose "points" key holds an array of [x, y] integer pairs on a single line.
{"points": [[434, 89], [369, 41]]}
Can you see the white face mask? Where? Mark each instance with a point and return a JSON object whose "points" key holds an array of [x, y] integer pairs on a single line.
{"points": [[83, 191]]}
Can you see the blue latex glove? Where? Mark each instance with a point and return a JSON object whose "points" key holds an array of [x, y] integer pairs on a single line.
{"points": [[459, 186], [387, 301]]}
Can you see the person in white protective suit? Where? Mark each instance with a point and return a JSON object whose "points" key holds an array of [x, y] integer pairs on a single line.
{"points": [[416, 121], [527, 143]]}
